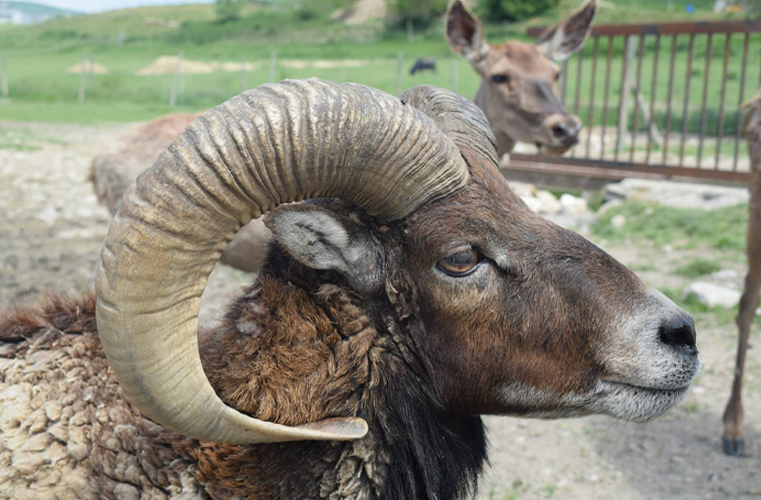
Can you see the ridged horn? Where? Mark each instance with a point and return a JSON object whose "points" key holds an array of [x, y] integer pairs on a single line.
{"points": [[276, 144], [459, 118]]}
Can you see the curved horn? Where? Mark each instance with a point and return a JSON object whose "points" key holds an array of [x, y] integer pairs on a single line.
{"points": [[272, 145], [456, 116]]}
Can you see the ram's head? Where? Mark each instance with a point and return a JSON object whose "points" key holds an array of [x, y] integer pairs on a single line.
{"points": [[514, 314]]}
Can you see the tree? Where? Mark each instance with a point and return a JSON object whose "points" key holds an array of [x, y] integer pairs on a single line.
{"points": [[515, 10], [228, 10], [418, 11]]}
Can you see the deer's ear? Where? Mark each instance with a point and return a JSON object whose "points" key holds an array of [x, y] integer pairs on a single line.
{"points": [[464, 32], [568, 36]]}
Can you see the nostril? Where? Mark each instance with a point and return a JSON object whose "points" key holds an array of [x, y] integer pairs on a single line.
{"points": [[680, 333], [559, 130]]}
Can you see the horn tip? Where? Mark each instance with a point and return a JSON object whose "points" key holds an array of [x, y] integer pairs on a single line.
{"points": [[343, 428]]}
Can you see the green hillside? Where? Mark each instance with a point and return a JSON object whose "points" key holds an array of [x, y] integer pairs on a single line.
{"points": [[310, 22]]}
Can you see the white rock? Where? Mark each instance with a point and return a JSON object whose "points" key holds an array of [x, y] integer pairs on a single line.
{"points": [[677, 194], [48, 215], [618, 221], [726, 275], [608, 205], [550, 205], [712, 295], [572, 205], [533, 203], [523, 189]]}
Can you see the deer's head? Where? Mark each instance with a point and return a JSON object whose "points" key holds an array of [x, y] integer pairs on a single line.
{"points": [[518, 92]]}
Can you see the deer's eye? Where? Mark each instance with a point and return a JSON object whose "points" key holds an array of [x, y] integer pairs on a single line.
{"points": [[500, 78], [558, 75], [460, 263]]}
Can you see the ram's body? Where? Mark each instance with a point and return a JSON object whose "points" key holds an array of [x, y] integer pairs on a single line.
{"points": [[382, 324], [67, 431]]}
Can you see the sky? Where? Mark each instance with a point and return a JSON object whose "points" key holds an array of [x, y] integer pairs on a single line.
{"points": [[90, 6]]}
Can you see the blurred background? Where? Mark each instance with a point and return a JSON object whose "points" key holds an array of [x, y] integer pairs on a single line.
{"points": [[86, 61]]}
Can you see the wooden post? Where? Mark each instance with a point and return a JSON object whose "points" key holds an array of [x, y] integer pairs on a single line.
{"points": [[399, 72], [646, 115], [273, 66], [454, 75], [82, 80], [4, 77], [623, 108], [410, 31], [176, 80], [243, 75]]}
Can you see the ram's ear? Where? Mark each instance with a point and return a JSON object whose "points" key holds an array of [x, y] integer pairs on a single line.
{"points": [[568, 36], [322, 239], [464, 33]]}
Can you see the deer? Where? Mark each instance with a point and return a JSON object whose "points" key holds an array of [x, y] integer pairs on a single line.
{"points": [[733, 437], [518, 91]]}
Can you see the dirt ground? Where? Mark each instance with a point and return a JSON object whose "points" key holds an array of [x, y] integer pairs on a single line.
{"points": [[51, 228]]}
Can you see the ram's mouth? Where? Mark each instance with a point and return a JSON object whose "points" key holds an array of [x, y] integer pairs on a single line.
{"points": [[654, 390], [639, 403]]}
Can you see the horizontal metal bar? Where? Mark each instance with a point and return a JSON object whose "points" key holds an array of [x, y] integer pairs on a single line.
{"points": [[750, 26], [567, 165]]}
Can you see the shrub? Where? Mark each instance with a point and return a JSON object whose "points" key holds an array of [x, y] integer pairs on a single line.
{"points": [[514, 10]]}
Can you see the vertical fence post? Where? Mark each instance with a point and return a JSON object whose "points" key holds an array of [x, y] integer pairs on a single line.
{"points": [[82, 80], [399, 71], [273, 66], [454, 75], [623, 103], [176, 80], [4, 77], [410, 31], [243, 75]]}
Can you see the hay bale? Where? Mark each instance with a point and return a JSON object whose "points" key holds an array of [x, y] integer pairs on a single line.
{"points": [[166, 65], [89, 67]]}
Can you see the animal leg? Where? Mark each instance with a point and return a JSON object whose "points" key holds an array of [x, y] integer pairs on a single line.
{"points": [[733, 439]]}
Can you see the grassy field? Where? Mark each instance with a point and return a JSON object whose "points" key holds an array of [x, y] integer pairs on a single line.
{"points": [[125, 41]]}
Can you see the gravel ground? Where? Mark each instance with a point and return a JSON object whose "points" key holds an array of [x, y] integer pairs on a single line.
{"points": [[51, 229]]}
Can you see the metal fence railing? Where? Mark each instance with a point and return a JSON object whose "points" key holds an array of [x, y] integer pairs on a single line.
{"points": [[659, 99]]}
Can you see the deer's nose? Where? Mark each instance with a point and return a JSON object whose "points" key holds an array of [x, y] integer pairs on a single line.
{"points": [[563, 129]]}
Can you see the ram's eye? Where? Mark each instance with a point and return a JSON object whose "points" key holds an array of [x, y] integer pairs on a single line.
{"points": [[500, 78], [460, 263], [558, 76]]}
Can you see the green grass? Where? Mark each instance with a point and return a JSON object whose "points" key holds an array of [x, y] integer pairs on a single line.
{"points": [[723, 228], [698, 267]]}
